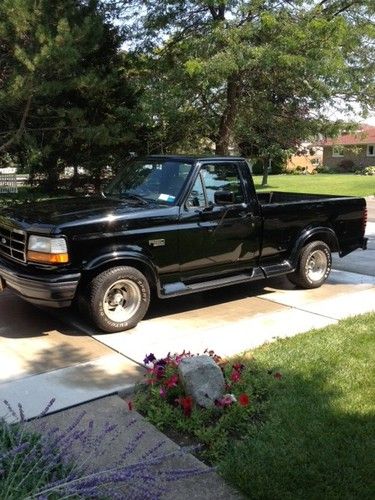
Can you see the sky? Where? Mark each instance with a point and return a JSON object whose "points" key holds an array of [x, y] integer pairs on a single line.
{"points": [[334, 114]]}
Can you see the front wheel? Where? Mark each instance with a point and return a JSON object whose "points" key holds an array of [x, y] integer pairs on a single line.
{"points": [[314, 265], [118, 298]]}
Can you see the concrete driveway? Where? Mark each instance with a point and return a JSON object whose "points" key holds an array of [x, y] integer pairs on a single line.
{"points": [[46, 355]]}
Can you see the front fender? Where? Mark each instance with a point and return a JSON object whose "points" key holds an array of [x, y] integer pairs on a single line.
{"points": [[321, 233], [116, 257]]}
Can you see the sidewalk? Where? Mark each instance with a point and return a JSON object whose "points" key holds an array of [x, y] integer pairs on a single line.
{"points": [[203, 483]]}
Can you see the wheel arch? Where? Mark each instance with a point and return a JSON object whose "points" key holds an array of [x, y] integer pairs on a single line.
{"points": [[324, 234], [107, 261]]}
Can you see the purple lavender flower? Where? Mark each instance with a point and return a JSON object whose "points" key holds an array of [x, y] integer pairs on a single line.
{"points": [[58, 462]]}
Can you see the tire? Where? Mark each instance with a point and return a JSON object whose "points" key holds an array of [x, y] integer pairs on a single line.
{"points": [[117, 299], [314, 266]]}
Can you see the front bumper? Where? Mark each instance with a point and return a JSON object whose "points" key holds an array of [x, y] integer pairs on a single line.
{"points": [[41, 289]]}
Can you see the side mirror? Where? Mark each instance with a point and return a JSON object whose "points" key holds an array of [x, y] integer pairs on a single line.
{"points": [[224, 198]]}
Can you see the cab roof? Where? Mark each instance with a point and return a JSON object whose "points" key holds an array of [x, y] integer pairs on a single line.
{"points": [[192, 158]]}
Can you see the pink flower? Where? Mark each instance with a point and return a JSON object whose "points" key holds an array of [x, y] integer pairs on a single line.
{"points": [[162, 392], [226, 400], [172, 381], [235, 376]]}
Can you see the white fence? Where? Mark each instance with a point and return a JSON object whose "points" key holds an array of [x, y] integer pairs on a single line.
{"points": [[8, 183]]}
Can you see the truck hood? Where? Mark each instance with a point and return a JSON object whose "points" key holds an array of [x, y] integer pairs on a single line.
{"points": [[68, 210]]}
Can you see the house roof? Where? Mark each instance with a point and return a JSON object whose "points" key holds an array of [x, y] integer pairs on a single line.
{"points": [[364, 135]]}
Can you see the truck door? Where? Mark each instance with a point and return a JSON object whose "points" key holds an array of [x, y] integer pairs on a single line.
{"points": [[218, 227]]}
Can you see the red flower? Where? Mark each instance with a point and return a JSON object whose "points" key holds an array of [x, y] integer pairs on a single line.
{"points": [[243, 400], [278, 376], [187, 405]]}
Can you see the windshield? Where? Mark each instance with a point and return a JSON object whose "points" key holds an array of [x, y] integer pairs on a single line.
{"points": [[150, 181]]}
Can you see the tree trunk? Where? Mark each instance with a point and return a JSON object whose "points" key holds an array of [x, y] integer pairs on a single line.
{"points": [[18, 134], [51, 184], [265, 171], [228, 118]]}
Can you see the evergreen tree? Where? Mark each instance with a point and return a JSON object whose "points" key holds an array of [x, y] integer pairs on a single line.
{"points": [[64, 92]]}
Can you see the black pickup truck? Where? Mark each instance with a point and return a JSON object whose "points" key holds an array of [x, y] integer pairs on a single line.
{"points": [[173, 225]]}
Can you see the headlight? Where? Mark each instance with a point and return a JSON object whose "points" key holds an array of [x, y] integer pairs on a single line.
{"points": [[47, 250]]}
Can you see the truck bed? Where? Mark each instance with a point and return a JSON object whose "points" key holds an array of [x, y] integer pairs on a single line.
{"points": [[281, 197], [287, 215]]}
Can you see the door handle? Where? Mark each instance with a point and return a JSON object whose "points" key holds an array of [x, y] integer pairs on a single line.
{"points": [[246, 215]]}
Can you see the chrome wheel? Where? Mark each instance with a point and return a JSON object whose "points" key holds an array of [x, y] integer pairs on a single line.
{"points": [[122, 300], [316, 265]]}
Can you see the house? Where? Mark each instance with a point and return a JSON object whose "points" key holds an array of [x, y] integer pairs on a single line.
{"points": [[353, 151], [306, 159]]}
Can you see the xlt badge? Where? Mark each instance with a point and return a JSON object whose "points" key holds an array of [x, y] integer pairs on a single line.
{"points": [[157, 243]]}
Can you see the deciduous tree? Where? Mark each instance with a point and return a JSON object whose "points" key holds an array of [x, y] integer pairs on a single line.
{"points": [[246, 68]]}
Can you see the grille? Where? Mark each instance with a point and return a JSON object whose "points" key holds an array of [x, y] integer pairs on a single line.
{"points": [[13, 243]]}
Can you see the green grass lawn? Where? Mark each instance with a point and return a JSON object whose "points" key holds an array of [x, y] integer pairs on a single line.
{"points": [[318, 440], [336, 184], [307, 430]]}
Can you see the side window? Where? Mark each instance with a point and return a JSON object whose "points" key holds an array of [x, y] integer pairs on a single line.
{"points": [[222, 177], [196, 197]]}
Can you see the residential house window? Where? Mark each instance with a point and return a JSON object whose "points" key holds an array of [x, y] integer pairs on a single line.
{"points": [[337, 151], [370, 149]]}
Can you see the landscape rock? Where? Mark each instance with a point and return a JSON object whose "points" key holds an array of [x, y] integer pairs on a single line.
{"points": [[202, 379]]}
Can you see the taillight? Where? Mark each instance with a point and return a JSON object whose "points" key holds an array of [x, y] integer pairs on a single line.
{"points": [[364, 220]]}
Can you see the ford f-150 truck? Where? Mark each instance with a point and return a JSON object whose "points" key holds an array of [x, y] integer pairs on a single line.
{"points": [[173, 225]]}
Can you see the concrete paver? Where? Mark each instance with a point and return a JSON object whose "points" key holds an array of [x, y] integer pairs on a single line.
{"points": [[35, 342], [73, 385], [359, 261], [247, 321], [370, 201], [344, 306]]}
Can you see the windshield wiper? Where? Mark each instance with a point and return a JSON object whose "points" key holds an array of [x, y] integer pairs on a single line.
{"points": [[134, 197]]}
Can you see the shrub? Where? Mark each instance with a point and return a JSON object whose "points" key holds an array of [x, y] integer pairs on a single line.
{"points": [[346, 166], [368, 171], [325, 169], [277, 167]]}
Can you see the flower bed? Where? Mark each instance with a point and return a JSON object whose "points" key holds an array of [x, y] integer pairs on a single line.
{"points": [[164, 402]]}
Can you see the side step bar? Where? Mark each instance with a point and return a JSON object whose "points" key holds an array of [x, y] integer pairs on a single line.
{"points": [[180, 288]]}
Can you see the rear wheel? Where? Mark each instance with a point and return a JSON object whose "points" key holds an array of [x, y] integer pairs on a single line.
{"points": [[118, 298], [314, 265]]}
